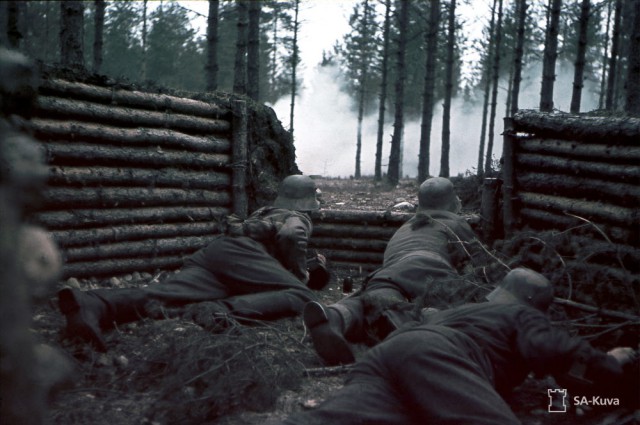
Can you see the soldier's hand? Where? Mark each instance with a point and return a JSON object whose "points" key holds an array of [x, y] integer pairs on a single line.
{"points": [[623, 355]]}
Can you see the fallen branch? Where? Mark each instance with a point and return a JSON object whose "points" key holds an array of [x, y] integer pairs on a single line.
{"points": [[597, 310], [328, 371]]}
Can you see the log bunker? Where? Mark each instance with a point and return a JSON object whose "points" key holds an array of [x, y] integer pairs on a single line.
{"points": [[139, 178]]}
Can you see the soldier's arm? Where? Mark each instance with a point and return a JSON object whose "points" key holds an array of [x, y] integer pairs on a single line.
{"points": [[291, 245]]}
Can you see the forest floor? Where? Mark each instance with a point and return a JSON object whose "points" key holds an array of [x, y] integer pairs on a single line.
{"points": [[201, 372]]}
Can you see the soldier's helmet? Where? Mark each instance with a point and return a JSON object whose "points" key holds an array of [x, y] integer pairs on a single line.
{"points": [[524, 286], [297, 193], [438, 193]]}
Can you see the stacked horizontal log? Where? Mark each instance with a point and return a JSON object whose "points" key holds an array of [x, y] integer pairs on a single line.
{"points": [[137, 180], [574, 172], [354, 239]]}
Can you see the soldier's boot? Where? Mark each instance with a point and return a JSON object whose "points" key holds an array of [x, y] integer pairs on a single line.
{"points": [[90, 312], [328, 327]]}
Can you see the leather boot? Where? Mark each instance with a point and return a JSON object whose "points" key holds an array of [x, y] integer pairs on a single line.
{"points": [[84, 314], [326, 328]]}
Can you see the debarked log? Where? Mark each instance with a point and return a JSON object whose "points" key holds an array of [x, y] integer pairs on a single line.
{"points": [[377, 218], [84, 218], [353, 231], [133, 249], [586, 209], [47, 129], [590, 188], [578, 127], [628, 173], [164, 177], [86, 154], [61, 198], [576, 149], [132, 98], [120, 266], [370, 245], [88, 111], [75, 237], [546, 220]]}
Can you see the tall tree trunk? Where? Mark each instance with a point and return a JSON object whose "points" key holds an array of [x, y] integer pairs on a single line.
{"points": [[448, 89], [632, 103], [240, 66], [383, 90], [393, 171], [487, 90], [364, 65], [550, 55], [494, 93], [517, 60], [143, 68], [431, 39], [509, 93], [578, 76], [253, 53], [294, 65], [604, 59], [14, 35], [98, 37], [613, 59], [71, 33], [212, 45]]}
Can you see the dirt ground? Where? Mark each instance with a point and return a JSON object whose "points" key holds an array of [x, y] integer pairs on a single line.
{"points": [[191, 369]]}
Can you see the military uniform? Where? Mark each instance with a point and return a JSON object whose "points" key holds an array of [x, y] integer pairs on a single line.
{"points": [[456, 368]]}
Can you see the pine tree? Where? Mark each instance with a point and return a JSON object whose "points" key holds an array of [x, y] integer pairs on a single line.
{"points": [[632, 101], [494, 93], [71, 33], [383, 90], [550, 55], [446, 114], [99, 35], [240, 67], [578, 75], [517, 59], [253, 52]]}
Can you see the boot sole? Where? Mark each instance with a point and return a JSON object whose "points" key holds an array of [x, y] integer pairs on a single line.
{"points": [[332, 347], [77, 323]]}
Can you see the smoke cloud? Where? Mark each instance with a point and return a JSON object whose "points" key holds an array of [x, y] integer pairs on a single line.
{"points": [[325, 126]]}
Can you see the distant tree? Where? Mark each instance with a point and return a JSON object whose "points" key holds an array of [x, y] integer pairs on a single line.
{"points": [[550, 55], [578, 76], [613, 58], [431, 44], [487, 88], [446, 113], [71, 33], [295, 59], [517, 58], [122, 48], [383, 90], [240, 67], [145, 31], [605, 56], [212, 46], [494, 93], [632, 101], [98, 37], [393, 170], [14, 33], [253, 52]]}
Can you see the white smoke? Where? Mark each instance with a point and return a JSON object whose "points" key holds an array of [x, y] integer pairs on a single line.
{"points": [[325, 126]]}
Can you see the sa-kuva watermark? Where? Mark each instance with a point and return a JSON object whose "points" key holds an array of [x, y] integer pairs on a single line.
{"points": [[558, 401]]}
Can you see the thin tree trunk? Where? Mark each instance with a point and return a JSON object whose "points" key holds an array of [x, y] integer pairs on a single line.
{"points": [[393, 171], [613, 59], [253, 53], [294, 66], [14, 35], [71, 33], [240, 67], [383, 91], [431, 36], [632, 104], [364, 65], [487, 89], [98, 37], [509, 93], [550, 55], [143, 68], [604, 59], [517, 67], [494, 94], [578, 76], [212, 45], [448, 89]]}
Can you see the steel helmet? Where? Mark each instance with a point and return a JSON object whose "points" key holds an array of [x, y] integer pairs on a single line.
{"points": [[438, 193], [524, 286], [298, 193]]}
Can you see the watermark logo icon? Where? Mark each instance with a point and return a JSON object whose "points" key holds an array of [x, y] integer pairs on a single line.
{"points": [[557, 400]]}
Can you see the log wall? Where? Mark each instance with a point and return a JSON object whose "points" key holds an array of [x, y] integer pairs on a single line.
{"points": [[578, 174]]}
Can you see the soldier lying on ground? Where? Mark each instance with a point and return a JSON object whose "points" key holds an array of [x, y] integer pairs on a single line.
{"points": [[456, 366], [431, 248], [258, 271]]}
